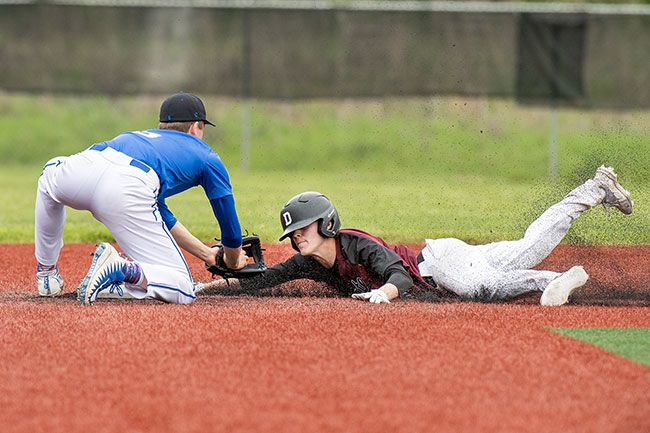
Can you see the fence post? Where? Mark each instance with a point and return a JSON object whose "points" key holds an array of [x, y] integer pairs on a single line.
{"points": [[552, 142], [244, 163]]}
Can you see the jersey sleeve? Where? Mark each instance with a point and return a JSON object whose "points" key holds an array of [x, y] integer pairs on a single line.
{"points": [[214, 178], [294, 268], [224, 211], [379, 260], [167, 216], [216, 184]]}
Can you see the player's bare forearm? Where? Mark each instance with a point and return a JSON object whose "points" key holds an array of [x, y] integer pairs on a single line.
{"points": [[219, 287], [188, 242], [233, 287]]}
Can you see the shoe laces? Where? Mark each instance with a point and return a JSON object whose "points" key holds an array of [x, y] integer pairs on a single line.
{"points": [[46, 275], [117, 287]]}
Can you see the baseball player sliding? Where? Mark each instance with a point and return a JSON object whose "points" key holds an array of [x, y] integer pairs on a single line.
{"points": [[124, 183], [362, 265]]}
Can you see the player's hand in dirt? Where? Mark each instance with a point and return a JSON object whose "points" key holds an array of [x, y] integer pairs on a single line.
{"points": [[375, 296]]}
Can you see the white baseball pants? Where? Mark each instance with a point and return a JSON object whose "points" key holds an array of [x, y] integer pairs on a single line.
{"points": [[502, 270], [122, 195]]}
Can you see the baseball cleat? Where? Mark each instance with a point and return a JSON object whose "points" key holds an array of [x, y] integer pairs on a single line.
{"points": [[49, 282], [558, 291], [105, 272], [615, 195]]}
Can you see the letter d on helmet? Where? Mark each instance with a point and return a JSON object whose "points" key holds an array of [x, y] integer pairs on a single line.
{"points": [[304, 209]]}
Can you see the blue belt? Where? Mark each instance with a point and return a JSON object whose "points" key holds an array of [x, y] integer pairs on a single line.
{"points": [[134, 162]]}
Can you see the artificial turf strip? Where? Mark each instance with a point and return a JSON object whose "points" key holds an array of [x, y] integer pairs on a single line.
{"points": [[631, 343]]}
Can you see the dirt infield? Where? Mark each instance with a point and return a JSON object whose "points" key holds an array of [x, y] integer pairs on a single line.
{"points": [[618, 275], [320, 365]]}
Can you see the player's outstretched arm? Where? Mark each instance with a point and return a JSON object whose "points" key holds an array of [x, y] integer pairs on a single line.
{"points": [[219, 287]]}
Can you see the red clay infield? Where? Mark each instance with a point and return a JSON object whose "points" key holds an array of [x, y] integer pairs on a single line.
{"points": [[321, 364]]}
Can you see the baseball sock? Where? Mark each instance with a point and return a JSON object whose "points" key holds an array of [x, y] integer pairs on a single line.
{"points": [[40, 267], [132, 273]]}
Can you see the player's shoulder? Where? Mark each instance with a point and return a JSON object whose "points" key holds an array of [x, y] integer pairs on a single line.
{"points": [[153, 136], [178, 136], [355, 240], [350, 234], [187, 143]]}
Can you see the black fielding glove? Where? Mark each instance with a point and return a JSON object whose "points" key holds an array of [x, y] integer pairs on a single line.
{"points": [[253, 248]]}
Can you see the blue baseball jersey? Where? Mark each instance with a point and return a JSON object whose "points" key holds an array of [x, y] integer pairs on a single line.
{"points": [[183, 161]]}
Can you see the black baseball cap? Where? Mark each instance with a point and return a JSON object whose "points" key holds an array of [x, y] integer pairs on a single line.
{"points": [[183, 107]]}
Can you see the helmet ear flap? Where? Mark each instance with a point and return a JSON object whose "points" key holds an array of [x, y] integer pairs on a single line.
{"points": [[329, 227], [323, 230]]}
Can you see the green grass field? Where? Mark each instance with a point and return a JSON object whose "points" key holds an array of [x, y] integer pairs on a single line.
{"points": [[398, 137], [632, 343], [476, 209], [402, 168]]}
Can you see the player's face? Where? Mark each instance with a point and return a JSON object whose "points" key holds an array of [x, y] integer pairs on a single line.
{"points": [[308, 240]]}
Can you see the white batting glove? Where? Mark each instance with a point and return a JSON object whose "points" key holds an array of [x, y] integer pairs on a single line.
{"points": [[374, 296]]}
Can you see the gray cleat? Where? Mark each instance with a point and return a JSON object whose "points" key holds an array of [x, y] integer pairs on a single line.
{"points": [[615, 195]]}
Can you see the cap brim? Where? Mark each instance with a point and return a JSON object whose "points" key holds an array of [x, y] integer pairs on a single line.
{"points": [[206, 121], [293, 228]]}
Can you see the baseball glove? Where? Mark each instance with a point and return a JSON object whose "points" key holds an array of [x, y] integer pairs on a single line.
{"points": [[253, 248]]}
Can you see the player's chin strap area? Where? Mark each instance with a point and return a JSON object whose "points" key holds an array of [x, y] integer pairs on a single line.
{"points": [[253, 248]]}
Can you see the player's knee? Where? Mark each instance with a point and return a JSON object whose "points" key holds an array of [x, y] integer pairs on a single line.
{"points": [[172, 296], [186, 299], [180, 291], [185, 293], [489, 293]]}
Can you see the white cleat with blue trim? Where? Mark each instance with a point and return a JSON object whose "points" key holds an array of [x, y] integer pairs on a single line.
{"points": [[49, 282], [105, 273]]}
